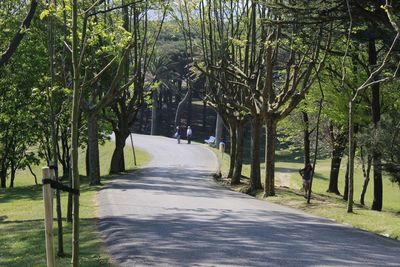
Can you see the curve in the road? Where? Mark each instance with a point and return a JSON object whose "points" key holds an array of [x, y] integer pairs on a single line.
{"points": [[171, 213]]}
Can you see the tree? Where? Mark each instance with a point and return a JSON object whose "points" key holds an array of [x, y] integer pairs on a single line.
{"points": [[374, 81], [123, 112]]}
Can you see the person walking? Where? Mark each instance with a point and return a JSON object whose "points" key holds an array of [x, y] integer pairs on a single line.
{"points": [[178, 134], [189, 134], [306, 174]]}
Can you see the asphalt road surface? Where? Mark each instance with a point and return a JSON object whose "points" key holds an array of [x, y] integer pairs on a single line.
{"points": [[172, 213]]}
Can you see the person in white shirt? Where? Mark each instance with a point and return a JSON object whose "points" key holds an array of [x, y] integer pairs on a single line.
{"points": [[189, 134]]}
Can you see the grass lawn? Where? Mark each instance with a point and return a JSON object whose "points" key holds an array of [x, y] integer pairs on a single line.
{"points": [[21, 217], [329, 205]]}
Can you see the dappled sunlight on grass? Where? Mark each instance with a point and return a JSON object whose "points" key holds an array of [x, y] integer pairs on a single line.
{"points": [[325, 204], [21, 219]]}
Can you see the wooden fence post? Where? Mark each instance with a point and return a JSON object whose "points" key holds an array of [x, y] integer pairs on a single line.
{"points": [[48, 218]]}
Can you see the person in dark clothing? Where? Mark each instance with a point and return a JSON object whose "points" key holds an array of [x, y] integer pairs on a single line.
{"points": [[306, 174]]}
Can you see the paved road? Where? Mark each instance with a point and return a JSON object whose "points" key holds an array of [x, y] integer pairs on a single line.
{"points": [[171, 213]]}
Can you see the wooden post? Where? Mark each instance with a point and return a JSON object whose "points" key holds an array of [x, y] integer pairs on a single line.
{"points": [[48, 218]]}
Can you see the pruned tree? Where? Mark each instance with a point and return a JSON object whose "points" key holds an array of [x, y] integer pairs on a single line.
{"points": [[124, 110]]}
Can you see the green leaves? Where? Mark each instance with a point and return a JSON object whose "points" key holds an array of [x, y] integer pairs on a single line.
{"points": [[45, 13]]}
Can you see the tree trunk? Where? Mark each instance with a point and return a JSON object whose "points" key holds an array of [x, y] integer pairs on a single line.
{"points": [[189, 111], [179, 109], [232, 129], [376, 117], [269, 186], [77, 90], [141, 120], [219, 126], [93, 148], [366, 174], [335, 168], [87, 160], [255, 175], [352, 150], [154, 113], [306, 139], [346, 182], [69, 203], [237, 172], [118, 159], [33, 174], [65, 156], [3, 178], [12, 176], [204, 124]]}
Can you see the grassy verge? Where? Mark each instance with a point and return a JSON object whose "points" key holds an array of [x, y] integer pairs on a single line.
{"points": [[328, 205], [21, 218]]}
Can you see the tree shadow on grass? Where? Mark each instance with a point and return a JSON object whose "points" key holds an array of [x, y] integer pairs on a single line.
{"points": [[22, 243], [319, 176], [32, 192]]}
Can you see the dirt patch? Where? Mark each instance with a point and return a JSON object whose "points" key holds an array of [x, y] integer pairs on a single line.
{"points": [[283, 178]]}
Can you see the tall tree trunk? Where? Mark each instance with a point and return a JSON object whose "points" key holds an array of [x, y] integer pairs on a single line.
{"points": [[74, 131], [93, 148], [3, 177], [64, 157], [237, 172], [366, 174], [179, 109], [376, 117], [336, 160], [12, 175], [189, 111], [154, 114], [33, 174], [334, 174], [346, 182], [269, 186], [352, 150], [306, 138], [219, 126], [118, 159], [87, 160], [70, 198], [54, 132], [141, 120], [204, 120], [255, 175], [232, 129]]}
